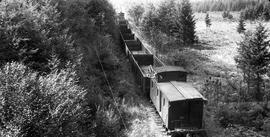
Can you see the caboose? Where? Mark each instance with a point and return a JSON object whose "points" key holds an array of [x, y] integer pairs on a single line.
{"points": [[177, 102]]}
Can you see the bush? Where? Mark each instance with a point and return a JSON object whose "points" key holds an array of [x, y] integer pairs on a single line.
{"points": [[136, 13], [227, 14], [49, 105], [31, 38], [245, 114], [108, 122]]}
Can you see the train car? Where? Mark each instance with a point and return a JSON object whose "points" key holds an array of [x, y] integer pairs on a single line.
{"points": [[140, 58], [179, 104]]}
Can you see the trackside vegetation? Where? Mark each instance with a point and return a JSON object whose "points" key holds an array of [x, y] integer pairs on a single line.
{"points": [[51, 80]]}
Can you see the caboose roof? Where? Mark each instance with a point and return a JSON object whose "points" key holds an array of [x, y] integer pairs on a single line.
{"points": [[176, 91], [169, 68]]}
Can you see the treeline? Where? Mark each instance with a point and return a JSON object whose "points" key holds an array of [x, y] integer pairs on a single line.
{"points": [[225, 5], [171, 19], [251, 9], [258, 11], [51, 80]]}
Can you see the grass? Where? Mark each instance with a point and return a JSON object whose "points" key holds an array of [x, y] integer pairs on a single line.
{"points": [[222, 36]]}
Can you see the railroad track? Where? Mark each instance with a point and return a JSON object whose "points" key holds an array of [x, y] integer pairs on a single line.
{"points": [[158, 121]]}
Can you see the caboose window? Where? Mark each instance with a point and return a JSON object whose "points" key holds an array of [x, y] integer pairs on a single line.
{"points": [[163, 101], [160, 77]]}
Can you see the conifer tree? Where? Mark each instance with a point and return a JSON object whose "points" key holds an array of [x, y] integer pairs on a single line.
{"points": [[185, 24], [165, 13], [254, 59], [241, 24], [207, 20]]}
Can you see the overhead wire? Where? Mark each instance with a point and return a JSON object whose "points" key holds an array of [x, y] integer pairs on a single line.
{"points": [[110, 88]]}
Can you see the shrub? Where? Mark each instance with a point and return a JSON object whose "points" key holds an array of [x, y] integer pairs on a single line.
{"points": [[136, 13], [49, 105], [227, 14], [244, 114], [31, 38], [108, 122]]}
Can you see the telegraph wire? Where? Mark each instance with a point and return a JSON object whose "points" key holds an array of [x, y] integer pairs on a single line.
{"points": [[110, 88]]}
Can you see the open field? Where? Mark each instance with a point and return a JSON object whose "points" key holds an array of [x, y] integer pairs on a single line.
{"points": [[222, 36]]}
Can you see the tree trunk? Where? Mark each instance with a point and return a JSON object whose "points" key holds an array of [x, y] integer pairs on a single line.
{"points": [[248, 84], [258, 94]]}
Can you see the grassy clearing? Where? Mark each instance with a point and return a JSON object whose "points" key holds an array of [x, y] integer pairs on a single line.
{"points": [[222, 36]]}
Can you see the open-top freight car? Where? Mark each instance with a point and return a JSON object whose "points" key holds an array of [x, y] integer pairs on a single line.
{"points": [[139, 56], [179, 105]]}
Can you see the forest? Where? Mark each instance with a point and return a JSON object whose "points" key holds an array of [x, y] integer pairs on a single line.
{"points": [[252, 9], [53, 56]]}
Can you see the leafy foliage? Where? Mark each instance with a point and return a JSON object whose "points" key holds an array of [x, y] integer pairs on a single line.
{"points": [[243, 114], [41, 105], [136, 13], [150, 20], [31, 38], [65, 95]]}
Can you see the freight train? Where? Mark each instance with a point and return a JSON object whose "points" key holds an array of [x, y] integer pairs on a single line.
{"points": [[179, 105]]}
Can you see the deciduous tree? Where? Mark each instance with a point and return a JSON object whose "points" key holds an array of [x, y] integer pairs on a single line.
{"points": [[136, 13]]}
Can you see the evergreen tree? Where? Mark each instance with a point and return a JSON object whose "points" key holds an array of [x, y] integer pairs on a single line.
{"points": [[207, 20], [185, 24], [254, 59], [165, 13], [241, 25], [224, 14]]}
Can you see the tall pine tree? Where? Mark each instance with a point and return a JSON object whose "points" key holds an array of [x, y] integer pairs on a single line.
{"points": [[254, 59], [165, 13], [207, 20], [241, 24], [185, 24]]}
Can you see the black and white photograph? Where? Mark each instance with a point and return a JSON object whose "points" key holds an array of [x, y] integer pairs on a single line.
{"points": [[134, 68]]}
